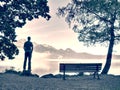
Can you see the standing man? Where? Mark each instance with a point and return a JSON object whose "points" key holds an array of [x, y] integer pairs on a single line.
{"points": [[28, 48]]}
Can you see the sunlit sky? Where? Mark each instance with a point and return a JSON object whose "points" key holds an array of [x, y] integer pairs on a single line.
{"points": [[57, 33]]}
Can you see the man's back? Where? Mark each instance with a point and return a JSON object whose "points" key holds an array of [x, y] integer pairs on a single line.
{"points": [[28, 46]]}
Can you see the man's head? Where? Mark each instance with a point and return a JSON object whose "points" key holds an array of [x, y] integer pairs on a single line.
{"points": [[29, 38]]}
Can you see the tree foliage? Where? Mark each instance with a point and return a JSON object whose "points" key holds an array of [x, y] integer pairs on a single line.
{"points": [[13, 14], [96, 21], [92, 19]]}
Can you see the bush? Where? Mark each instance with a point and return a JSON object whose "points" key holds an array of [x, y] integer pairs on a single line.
{"points": [[12, 71]]}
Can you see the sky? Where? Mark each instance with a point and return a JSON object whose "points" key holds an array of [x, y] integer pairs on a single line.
{"points": [[55, 32]]}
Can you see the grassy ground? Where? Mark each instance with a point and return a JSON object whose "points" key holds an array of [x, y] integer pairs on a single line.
{"points": [[16, 82]]}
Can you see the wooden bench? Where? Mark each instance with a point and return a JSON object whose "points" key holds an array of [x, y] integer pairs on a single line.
{"points": [[80, 67]]}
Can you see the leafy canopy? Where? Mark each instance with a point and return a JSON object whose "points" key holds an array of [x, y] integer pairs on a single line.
{"points": [[13, 14], [92, 19]]}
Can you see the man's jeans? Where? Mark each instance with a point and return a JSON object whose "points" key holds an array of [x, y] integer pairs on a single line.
{"points": [[28, 56]]}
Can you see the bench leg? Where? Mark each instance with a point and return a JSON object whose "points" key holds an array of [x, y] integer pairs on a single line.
{"points": [[64, 73], [98, 76], [96, 73]]}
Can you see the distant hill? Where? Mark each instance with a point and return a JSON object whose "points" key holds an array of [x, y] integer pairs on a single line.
{"points": [[62, 54]]}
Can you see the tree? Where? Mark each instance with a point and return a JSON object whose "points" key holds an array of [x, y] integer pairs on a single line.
{"points": [[13, 14], [96, 21]]}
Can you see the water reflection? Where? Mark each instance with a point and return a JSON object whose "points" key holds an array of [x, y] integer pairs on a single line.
{"points": [[45, 66]]}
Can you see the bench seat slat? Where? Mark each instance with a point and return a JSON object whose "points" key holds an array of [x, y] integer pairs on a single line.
{"points": [[78, 70]]}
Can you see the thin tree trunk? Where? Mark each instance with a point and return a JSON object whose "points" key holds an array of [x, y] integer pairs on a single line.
{"points": [[109, 58], [110, 50]]}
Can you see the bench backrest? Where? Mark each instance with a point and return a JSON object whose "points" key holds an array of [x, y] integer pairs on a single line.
{"points": [[82, 67]]}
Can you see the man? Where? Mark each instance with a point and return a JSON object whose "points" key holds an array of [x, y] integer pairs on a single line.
{"points": [[28, 48]]}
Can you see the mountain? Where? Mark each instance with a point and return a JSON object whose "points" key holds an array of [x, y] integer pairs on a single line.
{"points": [[68, 53], [64, 54]]}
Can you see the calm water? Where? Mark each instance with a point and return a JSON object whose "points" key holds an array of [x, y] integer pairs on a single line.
{"points": [[52, 65], [45, 66]]}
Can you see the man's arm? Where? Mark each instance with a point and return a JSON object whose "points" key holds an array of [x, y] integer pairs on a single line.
{"points": [[24, 47], [32, 47]]}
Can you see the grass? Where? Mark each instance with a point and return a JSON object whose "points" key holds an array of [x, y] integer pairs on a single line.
{"points": [[16, 82]]}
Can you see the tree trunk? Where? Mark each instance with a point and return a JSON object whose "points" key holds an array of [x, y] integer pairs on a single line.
{"points": [[110, 50], [109, 58]]}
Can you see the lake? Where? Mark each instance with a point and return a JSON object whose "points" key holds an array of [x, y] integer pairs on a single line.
{"points": [[44, 66]]}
